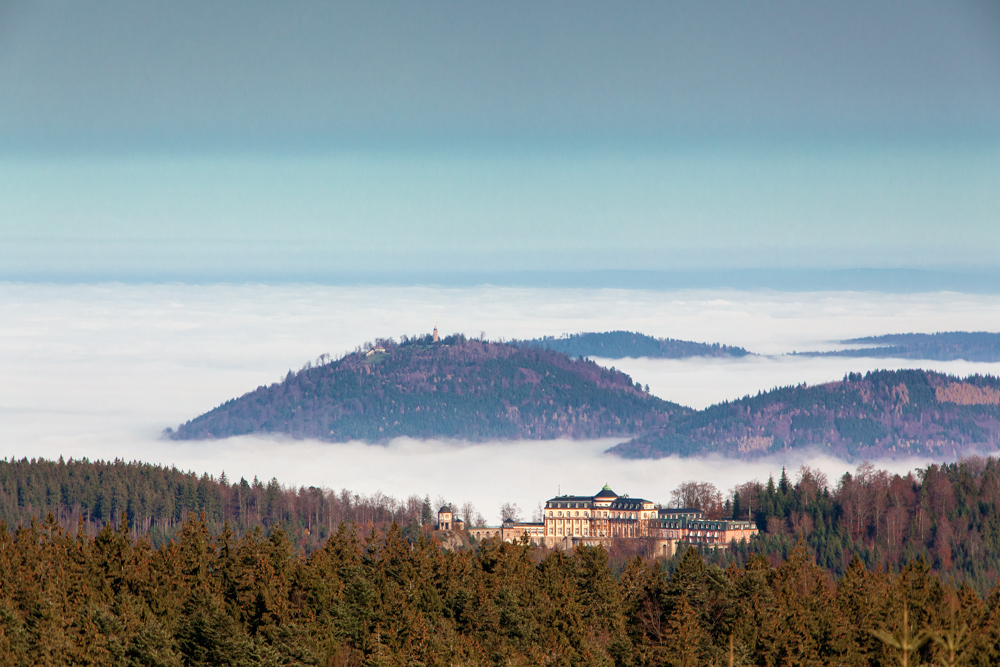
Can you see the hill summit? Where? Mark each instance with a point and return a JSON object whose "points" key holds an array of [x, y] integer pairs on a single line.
{"points": [[456, 388]]}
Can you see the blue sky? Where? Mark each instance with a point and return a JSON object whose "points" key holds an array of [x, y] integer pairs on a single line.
{"points": [[190, 141]]}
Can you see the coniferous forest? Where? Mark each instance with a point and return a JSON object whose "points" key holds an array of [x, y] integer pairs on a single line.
{"points": [[379, 599], [133, 564], [948, 515]]}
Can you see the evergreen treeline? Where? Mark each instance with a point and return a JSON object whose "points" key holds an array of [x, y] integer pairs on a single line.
{"points": [[458, 388], [630, 344], [383, 600], [971, 346], [948, 515], [84, 497], [880, 414]]}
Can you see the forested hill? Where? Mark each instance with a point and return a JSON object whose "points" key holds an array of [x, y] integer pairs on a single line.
{"points": [[458, 388], [880, 414], [971, 346], [629, 344]]}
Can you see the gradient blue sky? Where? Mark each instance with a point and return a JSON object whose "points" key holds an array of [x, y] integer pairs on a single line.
{"points": [[189, 140]]}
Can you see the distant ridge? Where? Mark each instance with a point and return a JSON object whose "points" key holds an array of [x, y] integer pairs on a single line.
{"points": [[629, 344], [458, 388], [948, 346], [883, 414]]}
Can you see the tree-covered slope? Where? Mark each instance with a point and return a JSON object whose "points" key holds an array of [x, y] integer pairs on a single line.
{"points": [[457, 388], [971, 346], [883, 413], [629, 344], [380, 599]]}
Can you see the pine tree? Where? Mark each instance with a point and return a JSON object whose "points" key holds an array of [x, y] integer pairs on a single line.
{"points": [[426, 512], [686, 639]]}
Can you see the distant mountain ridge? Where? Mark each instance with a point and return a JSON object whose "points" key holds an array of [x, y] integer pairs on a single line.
{"points": [[880, 414], [947, 346], [629, 344], [458, 388], [477, 390]]}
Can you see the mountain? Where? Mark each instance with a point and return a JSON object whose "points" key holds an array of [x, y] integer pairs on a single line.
{"points": [[880, 414], [458, 388], [971, 346], [629, 344]]}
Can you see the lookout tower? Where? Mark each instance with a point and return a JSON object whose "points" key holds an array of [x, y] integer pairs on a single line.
{"points": [[437, 339]]}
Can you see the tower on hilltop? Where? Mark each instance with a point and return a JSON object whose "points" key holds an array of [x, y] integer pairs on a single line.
{"points": [[436, 337]]}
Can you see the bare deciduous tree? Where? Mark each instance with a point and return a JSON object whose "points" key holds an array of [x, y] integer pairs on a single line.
{"points": [[701, 495], [467, 512], [510, 511]]}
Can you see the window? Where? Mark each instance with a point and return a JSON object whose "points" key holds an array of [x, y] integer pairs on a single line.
{"points": [[558, 513]]}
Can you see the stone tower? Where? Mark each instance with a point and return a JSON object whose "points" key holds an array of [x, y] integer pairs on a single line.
{"points": [[436, 337]]}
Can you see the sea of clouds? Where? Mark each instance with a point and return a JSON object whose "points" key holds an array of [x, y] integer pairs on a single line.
{"points": [[98, 371]]}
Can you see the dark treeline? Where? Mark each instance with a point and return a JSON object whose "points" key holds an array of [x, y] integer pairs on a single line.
{"points": [[154, 500], [972, 346], [630, 344], [949, 515], [383, 600]]}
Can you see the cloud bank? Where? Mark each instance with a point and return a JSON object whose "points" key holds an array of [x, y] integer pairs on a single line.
{"points": [[98, 371]]}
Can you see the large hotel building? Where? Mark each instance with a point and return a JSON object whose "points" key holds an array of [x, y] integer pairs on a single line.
{"points": [[590, 520]]}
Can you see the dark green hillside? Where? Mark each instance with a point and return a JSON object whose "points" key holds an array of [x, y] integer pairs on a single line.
{"points": [[458, 388], [884, 413], [971, 346], [628, 344]]}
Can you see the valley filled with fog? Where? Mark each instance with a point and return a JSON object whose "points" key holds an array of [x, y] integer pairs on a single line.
{"points": [[98, 371]]}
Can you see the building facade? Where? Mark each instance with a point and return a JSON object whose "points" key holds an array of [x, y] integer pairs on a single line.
{"points": [[569, 521]]}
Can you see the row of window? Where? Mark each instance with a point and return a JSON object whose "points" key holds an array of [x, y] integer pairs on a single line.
{"points": [[597, 533], [614, 515]]}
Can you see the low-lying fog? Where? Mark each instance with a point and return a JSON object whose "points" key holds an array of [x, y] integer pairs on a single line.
{"points": [[98, 371]]}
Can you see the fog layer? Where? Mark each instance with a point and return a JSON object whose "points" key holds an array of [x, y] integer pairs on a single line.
{"points": [[98, 371]]}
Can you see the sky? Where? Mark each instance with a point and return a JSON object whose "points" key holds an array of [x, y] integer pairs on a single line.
{"points": [[332, 142]]}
